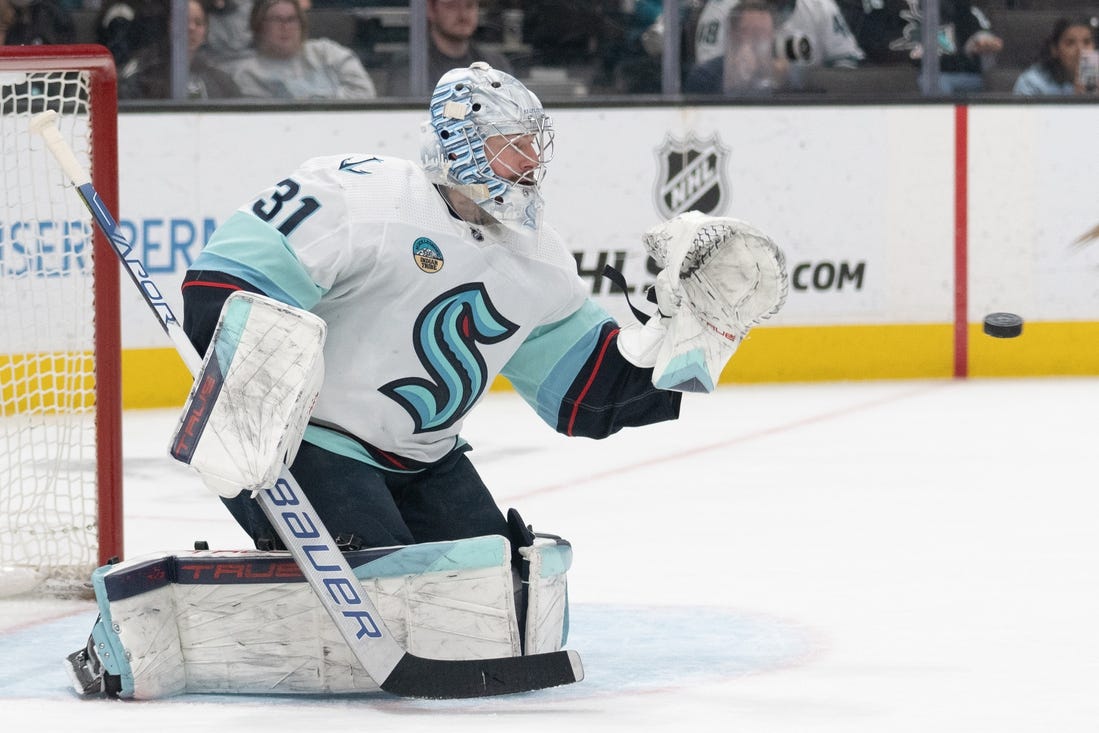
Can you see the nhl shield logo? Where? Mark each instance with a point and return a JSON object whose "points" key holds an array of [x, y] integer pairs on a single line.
{"points": [[692, 176]]}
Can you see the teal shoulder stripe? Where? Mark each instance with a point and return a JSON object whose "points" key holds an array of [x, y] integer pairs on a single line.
{"points": [[207, 261], [254, 251]]}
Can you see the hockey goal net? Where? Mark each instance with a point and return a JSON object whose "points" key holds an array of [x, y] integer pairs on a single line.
{"points": [[60, 394]]}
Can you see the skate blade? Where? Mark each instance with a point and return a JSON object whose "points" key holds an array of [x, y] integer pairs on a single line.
{"points": [[83, 681]]}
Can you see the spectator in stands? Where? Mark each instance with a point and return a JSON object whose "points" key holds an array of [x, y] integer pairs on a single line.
{"points": [[450, 27], [1057, 69], [287, 64], [229, 37], [749, 65], [889, 33], [7, 18], [126, 27], [147, 75], [563, 32], [634, 40], [810, 33], [34, 22]]}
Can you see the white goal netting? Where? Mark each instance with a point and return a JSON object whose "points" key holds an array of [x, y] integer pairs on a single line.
{"points": [[48, 495]]}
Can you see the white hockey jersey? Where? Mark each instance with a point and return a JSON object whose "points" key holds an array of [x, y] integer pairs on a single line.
{"points": [[813, 34], [423, 309]]}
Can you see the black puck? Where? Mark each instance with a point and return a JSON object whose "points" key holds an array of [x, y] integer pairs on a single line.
{"points": [[1003, 325]]}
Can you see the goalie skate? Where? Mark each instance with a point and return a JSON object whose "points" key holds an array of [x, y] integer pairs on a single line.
{"points": [[87, 675]]}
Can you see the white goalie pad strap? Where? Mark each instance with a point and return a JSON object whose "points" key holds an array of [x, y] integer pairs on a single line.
{"points": [[251, 401], [247, 622], [547, 626]]}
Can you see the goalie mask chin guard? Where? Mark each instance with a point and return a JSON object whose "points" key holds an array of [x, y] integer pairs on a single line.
{"points": [[468, 107]]}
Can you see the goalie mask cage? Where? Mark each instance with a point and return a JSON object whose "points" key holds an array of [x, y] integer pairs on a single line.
{"points": [[60, 381]]}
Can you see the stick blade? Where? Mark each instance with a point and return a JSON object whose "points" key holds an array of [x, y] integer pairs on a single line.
{"points": [[454, 679]]}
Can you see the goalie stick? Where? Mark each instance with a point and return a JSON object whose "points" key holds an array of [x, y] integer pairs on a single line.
{"points": [[393, 668]]}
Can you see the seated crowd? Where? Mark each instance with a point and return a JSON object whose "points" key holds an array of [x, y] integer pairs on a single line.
{"points": [[359, 49]]}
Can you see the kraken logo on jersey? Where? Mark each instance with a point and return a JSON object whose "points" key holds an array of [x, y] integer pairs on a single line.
{"points": [[692, 176], [446, 336]]}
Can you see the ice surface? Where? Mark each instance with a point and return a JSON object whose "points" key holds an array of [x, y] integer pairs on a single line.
{"points": [[880, 556]]}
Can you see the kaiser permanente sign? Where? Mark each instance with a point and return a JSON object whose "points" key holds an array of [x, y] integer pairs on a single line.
{"points": [[902, 225]]}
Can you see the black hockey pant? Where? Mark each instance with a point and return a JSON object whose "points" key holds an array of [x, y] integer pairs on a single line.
{"points": [[362, 506]]}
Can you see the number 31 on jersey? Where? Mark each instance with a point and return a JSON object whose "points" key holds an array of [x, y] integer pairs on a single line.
{"points": [[270, 209]]}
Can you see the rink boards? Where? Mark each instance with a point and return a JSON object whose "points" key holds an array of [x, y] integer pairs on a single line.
{"points": [[902, 225]]}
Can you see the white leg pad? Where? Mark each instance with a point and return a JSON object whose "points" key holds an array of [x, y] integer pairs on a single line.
{"points": [[547, 624], [247, 622]]}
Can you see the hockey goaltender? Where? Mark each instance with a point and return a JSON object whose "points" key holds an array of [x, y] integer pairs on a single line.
{"points": [[351, 315]]}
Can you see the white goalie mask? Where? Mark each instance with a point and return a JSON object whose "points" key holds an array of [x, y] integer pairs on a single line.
{"points": [[481, 118]]}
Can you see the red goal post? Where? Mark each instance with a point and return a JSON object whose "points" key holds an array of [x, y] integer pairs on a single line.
{"points": [[60, 343]]}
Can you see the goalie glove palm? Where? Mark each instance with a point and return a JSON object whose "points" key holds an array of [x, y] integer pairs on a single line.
{"points": [[719, 278], [729, 274]]}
